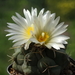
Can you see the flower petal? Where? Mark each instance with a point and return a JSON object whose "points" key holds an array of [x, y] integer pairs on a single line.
{"points": [[19, 43], [55, 45], [27, 45], [28, 16], [34, 12], [59, 39]]}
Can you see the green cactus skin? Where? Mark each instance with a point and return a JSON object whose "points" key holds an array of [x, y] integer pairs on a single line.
{"points": [[40, 60]]}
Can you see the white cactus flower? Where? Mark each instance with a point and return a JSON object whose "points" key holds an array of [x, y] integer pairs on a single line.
{"points": [[20, 31], [48, 32], [41, 29]]}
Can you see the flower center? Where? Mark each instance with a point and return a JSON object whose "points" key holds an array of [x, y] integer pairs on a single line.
{"points": [[43, 37], [28, 31]]}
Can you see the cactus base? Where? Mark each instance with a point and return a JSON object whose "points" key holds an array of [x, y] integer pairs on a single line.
{"points": [[39, 60], [69, 71]]}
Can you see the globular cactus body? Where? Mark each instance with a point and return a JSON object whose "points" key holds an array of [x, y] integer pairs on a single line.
{"points": [[40, 60]]}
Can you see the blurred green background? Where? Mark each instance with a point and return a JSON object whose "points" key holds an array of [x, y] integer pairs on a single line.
{"points": [[63, 8]]}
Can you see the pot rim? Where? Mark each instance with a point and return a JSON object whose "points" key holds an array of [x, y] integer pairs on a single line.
{"points": [[9, 68]]}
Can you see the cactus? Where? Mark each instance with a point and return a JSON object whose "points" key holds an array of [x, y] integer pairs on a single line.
{"points": [[40, 60], [39, 43]]}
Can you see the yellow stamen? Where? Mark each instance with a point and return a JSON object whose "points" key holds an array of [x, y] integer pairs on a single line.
{"points": [[27, 32], [43, 37]]}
